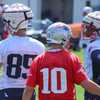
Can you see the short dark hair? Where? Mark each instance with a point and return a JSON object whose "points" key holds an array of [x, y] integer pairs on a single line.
{"points": [[88, 3]]}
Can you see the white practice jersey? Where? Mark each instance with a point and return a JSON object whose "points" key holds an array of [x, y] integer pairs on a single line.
{"points": [[16, 54], [93, 46]]}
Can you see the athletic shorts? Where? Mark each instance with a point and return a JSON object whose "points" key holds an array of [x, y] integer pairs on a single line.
{"points": [[12, 94], [89, 96]]}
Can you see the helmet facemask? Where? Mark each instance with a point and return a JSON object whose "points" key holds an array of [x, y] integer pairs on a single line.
{"points": [[89, 31]]}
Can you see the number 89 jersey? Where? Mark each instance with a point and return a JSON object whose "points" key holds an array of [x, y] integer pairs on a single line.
{"points": [[16, 55]]}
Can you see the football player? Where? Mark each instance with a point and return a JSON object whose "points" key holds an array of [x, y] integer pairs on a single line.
{"points": [[58, 70], [17, 52], [87, 10], [91, 42]]}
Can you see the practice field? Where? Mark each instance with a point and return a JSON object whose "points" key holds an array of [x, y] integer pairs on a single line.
{"points": [[80, 90]]}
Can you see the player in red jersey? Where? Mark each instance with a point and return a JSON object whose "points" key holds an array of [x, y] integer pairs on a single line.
{"points": [[58, 70]]}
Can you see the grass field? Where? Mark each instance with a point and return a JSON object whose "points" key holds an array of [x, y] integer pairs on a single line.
{"points": [[80, 93], [80, 90]]}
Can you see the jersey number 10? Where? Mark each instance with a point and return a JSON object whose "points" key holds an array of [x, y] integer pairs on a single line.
{"points": [[52, 77]]}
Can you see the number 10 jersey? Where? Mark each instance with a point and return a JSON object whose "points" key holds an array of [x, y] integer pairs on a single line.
{"points": [[56, 73]]}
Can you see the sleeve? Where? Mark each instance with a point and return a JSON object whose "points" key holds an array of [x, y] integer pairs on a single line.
{"points": [[0, 58], [41, 48], [32, 75], [1, 52], [79, 73], [88, 63]]}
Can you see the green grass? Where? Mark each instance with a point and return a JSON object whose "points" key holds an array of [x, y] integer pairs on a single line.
{"points": [[80, 90], [0, 71], [80, 93], [79, 54]]}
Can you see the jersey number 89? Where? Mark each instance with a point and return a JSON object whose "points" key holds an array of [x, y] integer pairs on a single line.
{"points": [[15, 62]]}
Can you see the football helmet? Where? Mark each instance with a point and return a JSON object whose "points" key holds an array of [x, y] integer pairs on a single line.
{"points": [[87, 10], [91, 26], [58, 33], [17, 16]]}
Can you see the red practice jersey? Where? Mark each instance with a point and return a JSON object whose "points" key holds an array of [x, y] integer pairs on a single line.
{"points": [[56, 73]]}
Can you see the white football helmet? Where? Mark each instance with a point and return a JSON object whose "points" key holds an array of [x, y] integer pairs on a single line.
{"points": [[17, 16], [58, 33], [87, 10], [91, 26]]}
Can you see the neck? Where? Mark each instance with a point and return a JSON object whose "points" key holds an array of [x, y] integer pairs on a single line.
{"points": [[55, 46], [21, 32]]}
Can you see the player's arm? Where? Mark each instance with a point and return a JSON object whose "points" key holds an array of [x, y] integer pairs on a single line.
{"points": [[81, 78], [1, 49], [27, 94], [0, 60], [1, 69], [91, 87], [31, 82]]}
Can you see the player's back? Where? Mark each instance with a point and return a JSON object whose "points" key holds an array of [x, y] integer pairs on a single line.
{"points": [[56, 76], [94, 58], [17, 54]]}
